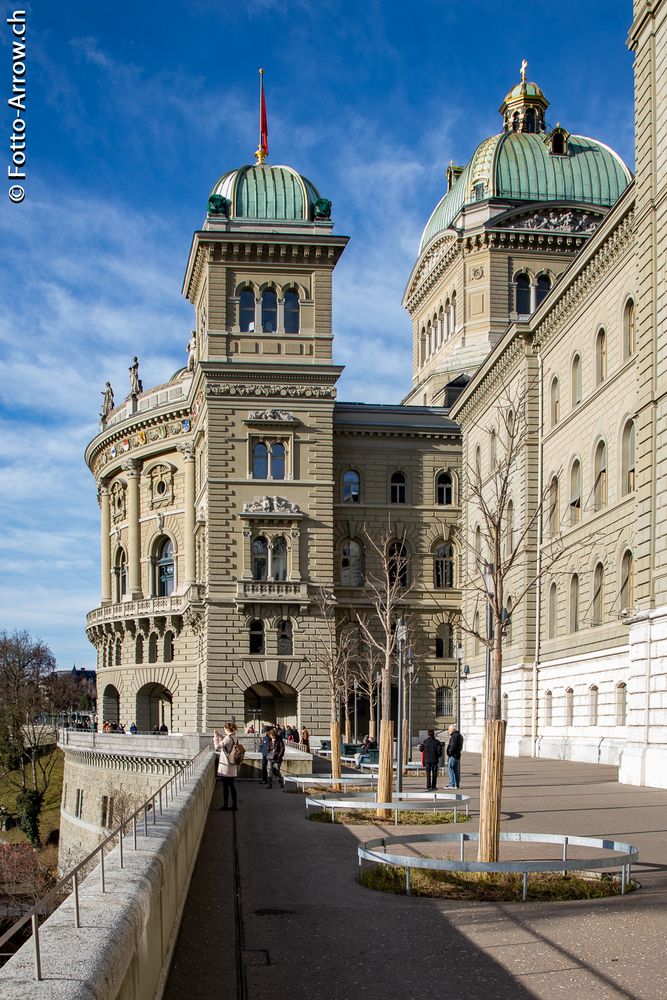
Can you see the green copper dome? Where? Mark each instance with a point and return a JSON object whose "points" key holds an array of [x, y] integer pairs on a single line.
{"points": [[267, 193], [521, 167]]}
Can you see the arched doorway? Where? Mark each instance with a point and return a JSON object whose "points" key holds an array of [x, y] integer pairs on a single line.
{"points": [[154, 708], [110, 704], [271, 701]]}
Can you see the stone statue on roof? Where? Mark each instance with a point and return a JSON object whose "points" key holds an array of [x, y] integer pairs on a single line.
{"points": [[107, 401], [136, 385]]}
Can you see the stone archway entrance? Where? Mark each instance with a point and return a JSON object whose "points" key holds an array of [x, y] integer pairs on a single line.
{"points": [[271, 701], [154, 708], [110, 705]]}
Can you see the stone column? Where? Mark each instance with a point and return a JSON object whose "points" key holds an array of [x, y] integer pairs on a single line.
{"points": [[105, 543], [280, 319], [188, 454], [132, 469]]}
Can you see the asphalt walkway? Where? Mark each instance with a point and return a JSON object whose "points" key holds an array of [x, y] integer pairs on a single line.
{"points": [[275, 910]]}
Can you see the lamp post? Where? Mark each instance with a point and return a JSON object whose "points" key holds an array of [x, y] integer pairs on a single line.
{"points": [[400, 636], [411, 676], [488, 585], [458, 656], [356, 738], [378, 690]]}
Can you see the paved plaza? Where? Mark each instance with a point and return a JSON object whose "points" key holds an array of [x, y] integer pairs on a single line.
{"points": [[275, 910]]}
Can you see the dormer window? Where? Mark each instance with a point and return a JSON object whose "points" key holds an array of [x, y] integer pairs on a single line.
{"points": [[558, 141], [478, 190]]}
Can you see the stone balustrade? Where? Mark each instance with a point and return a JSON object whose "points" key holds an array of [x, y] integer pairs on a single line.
{"points": [[258, 591]]}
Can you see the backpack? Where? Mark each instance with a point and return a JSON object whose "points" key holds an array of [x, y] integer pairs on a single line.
{"points": [[237, 754]]}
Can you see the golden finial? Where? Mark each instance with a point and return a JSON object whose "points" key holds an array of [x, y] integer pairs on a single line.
{"points": [[524, 67]]}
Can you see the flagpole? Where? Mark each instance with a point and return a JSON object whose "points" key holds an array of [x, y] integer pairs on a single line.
{"points": [[262, 149]]}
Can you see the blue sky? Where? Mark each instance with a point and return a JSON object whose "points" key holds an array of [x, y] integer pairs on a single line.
{"points": [[133, 113]]}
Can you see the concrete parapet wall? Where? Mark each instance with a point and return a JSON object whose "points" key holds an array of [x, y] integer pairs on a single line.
{"points": [[123, 947]]}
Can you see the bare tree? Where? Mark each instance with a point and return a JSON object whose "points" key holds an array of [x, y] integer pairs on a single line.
{"points": [[333, 656], [387, 587], [366, 670], [26, 731], [502, 558]]}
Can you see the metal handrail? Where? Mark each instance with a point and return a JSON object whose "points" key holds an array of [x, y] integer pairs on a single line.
{"points": [[178, 778]]}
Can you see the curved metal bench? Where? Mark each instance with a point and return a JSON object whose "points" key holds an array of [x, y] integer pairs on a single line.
{"points": [[326, 781], [402, 802], [623, 855]]}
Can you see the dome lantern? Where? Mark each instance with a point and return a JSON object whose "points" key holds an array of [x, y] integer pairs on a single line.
{"points": [[524, 106]]}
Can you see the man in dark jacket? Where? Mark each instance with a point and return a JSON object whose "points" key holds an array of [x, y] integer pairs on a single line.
{"points": [[454, 748], [432, 751]]}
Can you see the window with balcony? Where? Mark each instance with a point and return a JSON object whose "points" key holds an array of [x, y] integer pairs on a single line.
{"points": [[164, 568]]}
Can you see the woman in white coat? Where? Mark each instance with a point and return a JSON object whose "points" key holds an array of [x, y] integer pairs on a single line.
{"points": [[226, 768]]}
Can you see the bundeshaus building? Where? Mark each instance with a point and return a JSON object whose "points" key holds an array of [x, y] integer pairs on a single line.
{"points": [[235, 495]]}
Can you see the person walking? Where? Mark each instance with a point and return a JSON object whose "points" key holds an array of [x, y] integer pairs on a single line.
{"points": [[305, 740], [454, 748], [432, 751], [264, 750], [275, 759], [227, 769]]}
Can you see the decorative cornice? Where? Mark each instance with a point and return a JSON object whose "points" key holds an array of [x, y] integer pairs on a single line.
{"points": [[271, 505], [436, 261], [267, 390]]}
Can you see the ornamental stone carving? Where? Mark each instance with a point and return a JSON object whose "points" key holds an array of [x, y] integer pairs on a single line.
{"points": [[293, 391], [282, 416], [554, 221], [271, 505]]}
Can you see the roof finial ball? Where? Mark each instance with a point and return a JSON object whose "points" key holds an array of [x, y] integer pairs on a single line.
{"points": [[524, 67]]}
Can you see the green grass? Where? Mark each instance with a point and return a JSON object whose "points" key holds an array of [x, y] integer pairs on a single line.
{"points": [[365, 817], [491, 888], [49, 817]]}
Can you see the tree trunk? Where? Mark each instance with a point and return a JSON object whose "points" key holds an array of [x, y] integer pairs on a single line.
{"points": [[406, 746], [371, 720], [386, 766], [335, 752], [491, 789], [348, 725]]}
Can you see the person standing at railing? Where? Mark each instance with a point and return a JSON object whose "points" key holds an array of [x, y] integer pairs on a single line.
{"points": [[227, 769]]}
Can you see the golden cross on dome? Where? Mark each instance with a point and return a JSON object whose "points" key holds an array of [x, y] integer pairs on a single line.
{"points": [[524, 67]]}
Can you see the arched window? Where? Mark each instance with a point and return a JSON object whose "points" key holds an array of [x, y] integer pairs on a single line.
{"points": [[569, 707], [575, 492], [441, 325], [444, 490], [152, 647], [628, 458], [600, 357], [558, 144], [478, 464], [260, 558], [505, 709], [515, 121], [627, 580], [529, 120], [522, 294], [509, 538], [444, 641], [474, 711], [291, 310], [397, 487], [429, 339], [600, 485], [576, 380], [398, 564], [444, 701], [260, 461], [119, 652], [256, 637], [279, 559], [548, 708], [574, 603], [443, 570], [598, 594], [120, 575], [508, 621], [139, 650], [475, 636], [165, 568], [285, 641], [554, 507], [629, 342], [543, 288], [351, 486], [555, 402], [593, 705], [269, 311], [168, 647], [277, 461], [448, 315], [351, 574], [493, 451], [552, 611], [621, 704], [478, 547], [247, 311], [453, 313]]}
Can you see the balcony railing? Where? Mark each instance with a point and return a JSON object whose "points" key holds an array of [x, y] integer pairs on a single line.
{"points": [[147, 607], [272, 590]]}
